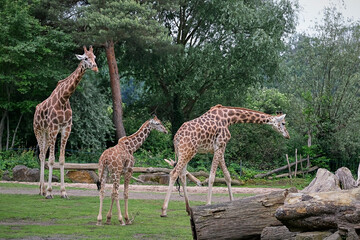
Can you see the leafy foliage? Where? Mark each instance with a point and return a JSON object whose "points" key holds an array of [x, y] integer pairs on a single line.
{"points": [[323, 81]]}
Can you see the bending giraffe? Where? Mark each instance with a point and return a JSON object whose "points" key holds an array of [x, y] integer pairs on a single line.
{"points": [[119, 159], [209, 133], [54, 115]]}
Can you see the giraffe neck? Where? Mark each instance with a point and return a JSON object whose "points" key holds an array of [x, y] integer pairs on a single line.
{"points": [[66, 87], [138, 138], [232, 115]]}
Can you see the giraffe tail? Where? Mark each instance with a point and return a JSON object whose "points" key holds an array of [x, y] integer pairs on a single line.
{"points": [[101, 176], [98, 184], [37, 153]]}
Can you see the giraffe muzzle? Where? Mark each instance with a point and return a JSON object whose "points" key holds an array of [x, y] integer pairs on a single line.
{"points": [[95, 69]]}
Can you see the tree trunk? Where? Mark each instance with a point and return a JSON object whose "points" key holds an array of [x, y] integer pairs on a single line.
{"points": [[115, 90], [316, 211], [309, 145], [241, 219], [279, 169], [15, 131], [7, 132], [323, 182], [346, 179], [2, 127]]}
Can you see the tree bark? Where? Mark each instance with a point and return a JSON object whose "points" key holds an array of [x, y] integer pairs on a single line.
{"points": [[241, 219], [7, 132], [115, 90], [316, 211], [323, 182], [301, 172], [346, 179], [15, 131], [278, 169], [2, 127]]}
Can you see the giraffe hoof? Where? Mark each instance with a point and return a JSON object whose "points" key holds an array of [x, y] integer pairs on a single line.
{"points": [[99, 223], [49, 197], [64, 196], [163, 215]]}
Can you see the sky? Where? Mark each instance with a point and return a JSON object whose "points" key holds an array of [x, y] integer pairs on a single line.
{"points": [[311, 11]]}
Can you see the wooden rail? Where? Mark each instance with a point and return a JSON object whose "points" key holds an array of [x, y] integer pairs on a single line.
{"points": [[94, 166]]}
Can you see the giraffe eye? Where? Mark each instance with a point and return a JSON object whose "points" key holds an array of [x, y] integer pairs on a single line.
{"points": [[283, 124]]}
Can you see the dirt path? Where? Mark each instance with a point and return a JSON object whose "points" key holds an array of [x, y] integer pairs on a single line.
{"points": [[138, 191]]}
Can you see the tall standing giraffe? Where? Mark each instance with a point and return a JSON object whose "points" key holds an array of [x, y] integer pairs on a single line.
{"points": [[209, 133], [54, 115], [119, 159]]}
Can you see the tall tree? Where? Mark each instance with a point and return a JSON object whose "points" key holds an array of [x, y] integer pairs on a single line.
{"points": [[324, 78], [31, 59], [221, 48], [111, 23]]}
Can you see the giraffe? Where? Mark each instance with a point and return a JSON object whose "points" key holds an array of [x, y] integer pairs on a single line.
{"points": [[119, 159], [54, 115], [209, 133]]}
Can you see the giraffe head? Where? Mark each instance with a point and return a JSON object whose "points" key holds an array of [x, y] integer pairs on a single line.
{"points": [[88, 59], [156, 124], [278, 124]]}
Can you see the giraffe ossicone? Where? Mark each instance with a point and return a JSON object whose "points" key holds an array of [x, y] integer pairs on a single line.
{"points": [[54, 115], [209, 133], [119, 160]]}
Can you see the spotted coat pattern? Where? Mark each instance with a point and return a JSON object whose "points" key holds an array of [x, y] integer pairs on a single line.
{"points": [[54, 115], [119, 160], [209, 133]]}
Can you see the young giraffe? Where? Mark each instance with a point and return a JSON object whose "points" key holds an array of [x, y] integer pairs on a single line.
{"points": [[119, 159], [54, 115], [209, 133]]}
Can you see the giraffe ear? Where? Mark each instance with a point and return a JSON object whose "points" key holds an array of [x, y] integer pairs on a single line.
{"points": [[281, 117], [91, 48], [80, 57]]}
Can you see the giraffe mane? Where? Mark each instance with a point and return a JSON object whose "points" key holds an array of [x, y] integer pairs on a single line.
{"points": [[239, 108]]}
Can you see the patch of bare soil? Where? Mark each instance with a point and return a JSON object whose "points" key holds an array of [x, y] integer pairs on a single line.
{"points": [[139, 191]]}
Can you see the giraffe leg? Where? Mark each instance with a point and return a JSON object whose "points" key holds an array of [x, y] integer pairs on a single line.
{"points": [[227, 177], [52, 139], [173, 176], [108, 215], [217, 156], [65, 133], [41, 139], [128, 175], [183, 182], [101, 195], [116, 197]]}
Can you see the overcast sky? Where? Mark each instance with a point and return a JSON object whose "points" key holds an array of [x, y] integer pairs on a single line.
{"points": [[311, 11]]}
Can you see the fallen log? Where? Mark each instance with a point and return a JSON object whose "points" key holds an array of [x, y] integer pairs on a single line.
{"points": [[241, 219], [301, 172], [346, 179], [323, 182], [234, 182], [261, 175], [314, 211]]}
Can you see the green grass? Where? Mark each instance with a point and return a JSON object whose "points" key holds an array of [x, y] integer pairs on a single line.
{"points": [[26, 216]]}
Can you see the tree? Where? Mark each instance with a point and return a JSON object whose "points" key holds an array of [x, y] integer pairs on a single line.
{"points": [[324, 78], [219, 49], [31, 59], [113, 23]]}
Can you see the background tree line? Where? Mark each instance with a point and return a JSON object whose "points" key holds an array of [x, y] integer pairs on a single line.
{"points": [[176, 59]]}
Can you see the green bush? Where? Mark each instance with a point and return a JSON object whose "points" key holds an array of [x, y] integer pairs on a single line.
{"points": [[9, 159]]}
